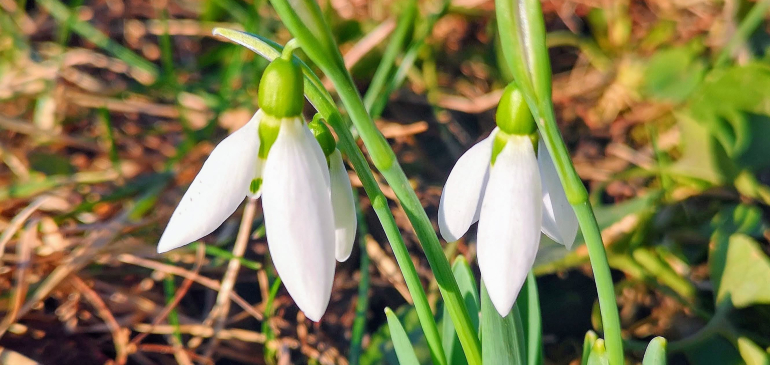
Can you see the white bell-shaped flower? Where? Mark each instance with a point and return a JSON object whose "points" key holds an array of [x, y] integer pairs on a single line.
{"points": [[514, 194], [306, 195]]}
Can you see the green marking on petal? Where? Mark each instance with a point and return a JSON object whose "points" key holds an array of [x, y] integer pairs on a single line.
{"points": [[255, 185], [269, 127], [323, 135]]}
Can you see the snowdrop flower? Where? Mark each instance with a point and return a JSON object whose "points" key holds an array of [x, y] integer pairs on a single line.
{"points": [[514, 193], [306, 193]]}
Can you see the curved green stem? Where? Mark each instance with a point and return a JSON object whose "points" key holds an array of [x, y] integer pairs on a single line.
{"points": [[522, 34], [304, 20]]}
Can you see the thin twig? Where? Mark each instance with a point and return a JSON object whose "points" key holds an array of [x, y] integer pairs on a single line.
{"points": [[25, 253], [119, 335], [209, 283], [186, 284], [219, 313], [18, 221]]}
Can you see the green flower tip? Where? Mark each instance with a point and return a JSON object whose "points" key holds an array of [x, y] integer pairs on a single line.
{"points": [[323, 135], [513, 116], [281, 92]]}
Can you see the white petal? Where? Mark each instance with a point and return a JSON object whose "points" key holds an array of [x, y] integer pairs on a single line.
{"points": [[298, 219], [509, 226], [464, 191], [559, 220], [344, 207], [218, 189]]}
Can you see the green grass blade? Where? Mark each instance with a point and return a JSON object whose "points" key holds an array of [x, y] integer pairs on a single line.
{"points": [[656, 352], [404, 349], [89, 32], [467, 283], [502, 337], [359, 323], [528, 305], [398, 39], [588, 343], [598, 354]]}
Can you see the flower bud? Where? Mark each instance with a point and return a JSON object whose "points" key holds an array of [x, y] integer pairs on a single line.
{"points": [[513, 116], [323, 135], [281, 92]]}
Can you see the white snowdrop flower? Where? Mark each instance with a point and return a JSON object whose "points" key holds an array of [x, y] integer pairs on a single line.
{"points": [[309, 213], [514, 193]]}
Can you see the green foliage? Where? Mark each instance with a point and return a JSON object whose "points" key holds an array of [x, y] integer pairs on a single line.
{"points": [[588, 344], [751, 353], [401, 343], [746, 273], [656, 352], [673, 74], [502, 337], [467, 283]]}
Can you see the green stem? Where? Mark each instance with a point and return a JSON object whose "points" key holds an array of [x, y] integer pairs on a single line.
{"points": [[750, 23], [522, 33], [304, 20], [385, 161], [322, 101]]}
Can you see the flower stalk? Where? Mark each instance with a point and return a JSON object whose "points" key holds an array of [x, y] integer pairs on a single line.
{"points": [[522, 33]]}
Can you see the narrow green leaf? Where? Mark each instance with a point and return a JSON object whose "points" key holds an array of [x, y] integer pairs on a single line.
{"points": [[528, 304], [588, 343], [467, 283], [404, 349], [362, 304], [656, 352], [598, 354], [502, 337]]}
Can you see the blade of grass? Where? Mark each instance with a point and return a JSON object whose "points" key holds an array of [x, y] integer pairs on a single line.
{"points": [[89, 32], [404, 349], [397, 41], [169, 288], [362, 304], [588, 343], [467, 283], [502, 337], [528, 305]]}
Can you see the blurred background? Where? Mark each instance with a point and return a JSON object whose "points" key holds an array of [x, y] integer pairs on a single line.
{"points": [[108, 109]]}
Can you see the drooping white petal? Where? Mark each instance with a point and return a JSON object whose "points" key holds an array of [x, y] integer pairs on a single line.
{"points": [[509, 225], [299, 221], [559, 220], [217, 190], [464, 191], [344, 207]]}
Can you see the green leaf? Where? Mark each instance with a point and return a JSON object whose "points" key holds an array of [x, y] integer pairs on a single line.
{"points": [[404, 349], [673, 74], [528, 305], [588, 343], [656, 352], [751, 353], [598, 354], [467, 283], [716, 350], [739, 218], [502, 337], [746, 274], [733, 106]]}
